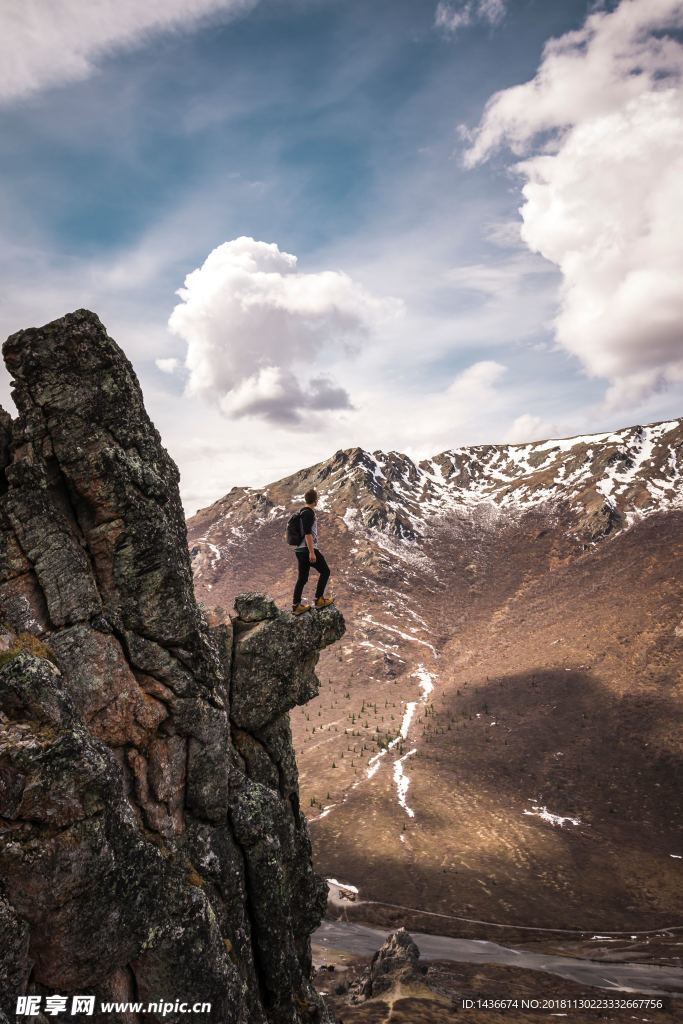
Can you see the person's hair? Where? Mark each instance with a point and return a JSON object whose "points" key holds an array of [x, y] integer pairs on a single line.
{"points": [[311, 496]]}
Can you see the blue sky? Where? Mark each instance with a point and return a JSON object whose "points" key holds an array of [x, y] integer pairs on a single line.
{"points": [[330, 129]]}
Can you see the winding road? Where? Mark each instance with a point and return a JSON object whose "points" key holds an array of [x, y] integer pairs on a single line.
{"points": [[361, 940]]}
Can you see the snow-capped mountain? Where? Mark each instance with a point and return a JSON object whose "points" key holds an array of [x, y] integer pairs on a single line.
{"points": [[499, 724], [609, 478]]}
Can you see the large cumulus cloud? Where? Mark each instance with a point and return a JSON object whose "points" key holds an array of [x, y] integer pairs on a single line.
{"points": [[599, 130], [260, 332]]}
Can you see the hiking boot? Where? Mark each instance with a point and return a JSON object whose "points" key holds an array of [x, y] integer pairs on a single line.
{"points": [[299, 609], [324, 602]]}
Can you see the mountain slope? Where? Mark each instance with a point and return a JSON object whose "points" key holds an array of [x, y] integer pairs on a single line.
{"points": [[498, 736]]}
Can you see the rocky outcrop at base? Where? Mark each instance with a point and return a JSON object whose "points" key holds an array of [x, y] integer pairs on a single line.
{"points": [[397, 962], [152, 847]]}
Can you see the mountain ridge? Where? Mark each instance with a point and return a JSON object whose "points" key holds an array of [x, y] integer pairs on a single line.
{"points": [[503, 474], [358, 453]]}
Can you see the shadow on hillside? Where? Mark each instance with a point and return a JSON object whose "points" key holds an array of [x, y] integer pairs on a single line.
{"points": [[566, 730], [561, 740]]}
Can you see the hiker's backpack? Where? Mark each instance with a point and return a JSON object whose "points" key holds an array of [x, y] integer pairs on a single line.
{"points": [[295, 530]]}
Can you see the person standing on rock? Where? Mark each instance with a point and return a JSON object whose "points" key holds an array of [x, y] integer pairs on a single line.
{"points": [[308, 554]]}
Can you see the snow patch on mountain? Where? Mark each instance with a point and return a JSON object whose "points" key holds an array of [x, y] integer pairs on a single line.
{"points": [[553, 819], [402, 782], [426, 680], [400, 632]]}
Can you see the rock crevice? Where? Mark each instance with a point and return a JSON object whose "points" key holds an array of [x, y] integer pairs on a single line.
{"points": [[151, 841]]}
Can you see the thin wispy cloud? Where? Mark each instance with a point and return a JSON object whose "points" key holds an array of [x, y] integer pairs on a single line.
{"points": [[49, 42], [599, 130], [499, 280], [453, 15]]}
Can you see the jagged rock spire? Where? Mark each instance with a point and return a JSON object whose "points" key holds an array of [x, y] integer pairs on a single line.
{"points": [[153, 847]]}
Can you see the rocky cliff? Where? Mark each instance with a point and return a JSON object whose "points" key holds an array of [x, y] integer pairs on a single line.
{"points": [[152, 847]]}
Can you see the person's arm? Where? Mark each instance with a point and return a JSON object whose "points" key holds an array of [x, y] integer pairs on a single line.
{"points": [[307, 518], [309, 545]]}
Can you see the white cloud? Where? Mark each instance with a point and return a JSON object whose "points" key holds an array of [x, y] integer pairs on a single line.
{"points": [[528, 427], [48, 42], [452, 15], [168, 365], [476, 381], [258, 330], [600, 130], [278, 396]]}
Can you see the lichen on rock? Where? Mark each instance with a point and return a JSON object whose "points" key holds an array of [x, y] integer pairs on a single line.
{"points": [[152, 844]]}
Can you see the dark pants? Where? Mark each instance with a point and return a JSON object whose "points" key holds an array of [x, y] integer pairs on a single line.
{"points": [[305, 566]]}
